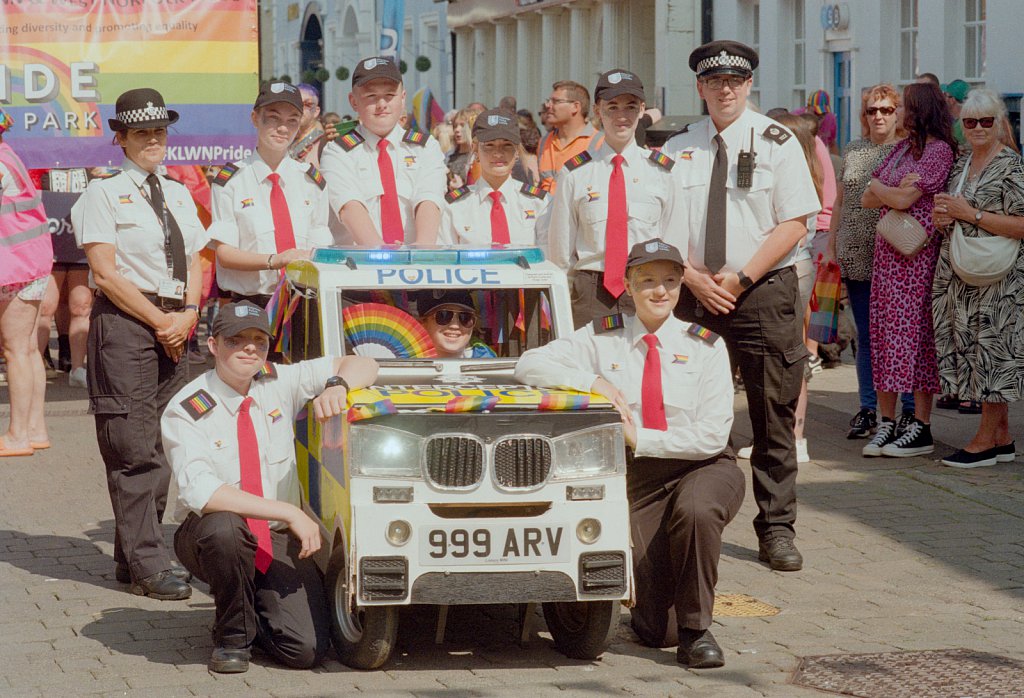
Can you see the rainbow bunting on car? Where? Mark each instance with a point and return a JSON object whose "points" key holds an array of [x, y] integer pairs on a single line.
{"points": [[471, 403], [564, 401], [357, 413]]}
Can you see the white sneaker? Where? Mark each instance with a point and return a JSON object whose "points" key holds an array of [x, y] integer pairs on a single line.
{"points": [[744, 453], [801, 451], [76, 379]]}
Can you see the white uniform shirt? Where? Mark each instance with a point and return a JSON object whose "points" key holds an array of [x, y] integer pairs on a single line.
{"points": [[203, 451], [467, 220], [420, 175], [115, 210], [696, 381], [577, 221], [782, 187], [242, 218]]}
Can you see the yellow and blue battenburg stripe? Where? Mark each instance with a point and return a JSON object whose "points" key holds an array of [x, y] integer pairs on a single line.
{"points": [[662, 160], [471, 403], [563, 401], [246, 203], [124, 199], [357, 413], [415, 137], [275, 415], [198, 403]]}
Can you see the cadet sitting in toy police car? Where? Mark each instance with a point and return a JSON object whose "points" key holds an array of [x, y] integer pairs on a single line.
{"points": [[449, 318], [495, 209], [682, 480], [229, 438]]}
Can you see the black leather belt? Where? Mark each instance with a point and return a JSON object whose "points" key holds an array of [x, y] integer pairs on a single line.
{"points": [[162, 303]]}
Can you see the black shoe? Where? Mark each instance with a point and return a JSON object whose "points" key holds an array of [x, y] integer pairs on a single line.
{"points": [[969, 407], [966, 459], [699, 650], [916, 440], [885, 434], [948, 402], [124, 575], [780, 553], [229, 660], [1006, 453], [862, 424], [904, 422], [165, 586]]}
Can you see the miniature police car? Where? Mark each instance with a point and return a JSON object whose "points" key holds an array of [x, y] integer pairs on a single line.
{"points": [[449, 483]]}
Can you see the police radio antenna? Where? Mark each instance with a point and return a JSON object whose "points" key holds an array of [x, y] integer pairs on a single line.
{"points": [[752, 151]]}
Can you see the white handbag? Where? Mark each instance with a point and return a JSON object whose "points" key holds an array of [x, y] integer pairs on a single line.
{"points": [[899, 228], [984, 260]]}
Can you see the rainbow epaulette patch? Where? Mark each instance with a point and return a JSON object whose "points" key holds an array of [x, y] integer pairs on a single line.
{"points": [[581, 159], [269, 370], [198, 403], [415, 137], [226, 172], [609, 323], [350, 140], [456, 194], [534, 191], [662, 160], [702, 333], [315, 175]]}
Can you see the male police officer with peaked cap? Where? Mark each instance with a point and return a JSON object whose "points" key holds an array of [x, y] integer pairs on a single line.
{"points": [[748, 190]]}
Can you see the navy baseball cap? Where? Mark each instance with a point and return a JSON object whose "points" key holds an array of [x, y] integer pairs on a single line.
{"points": [[234, 318]]}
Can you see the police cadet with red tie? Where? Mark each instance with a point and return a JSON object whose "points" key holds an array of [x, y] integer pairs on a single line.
{"points": [[141, 235], [496, 209], [607, 199], [747, 191], [670, 381], [230, 436], [386, 183]]}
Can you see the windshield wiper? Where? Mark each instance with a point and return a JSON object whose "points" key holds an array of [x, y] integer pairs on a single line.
{"points": [[487, 367]]}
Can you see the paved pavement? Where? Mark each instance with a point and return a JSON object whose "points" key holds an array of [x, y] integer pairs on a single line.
{"points": [[900, 555]]}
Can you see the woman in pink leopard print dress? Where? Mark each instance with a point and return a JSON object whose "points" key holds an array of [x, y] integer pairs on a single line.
{"points": [[902, 341]]}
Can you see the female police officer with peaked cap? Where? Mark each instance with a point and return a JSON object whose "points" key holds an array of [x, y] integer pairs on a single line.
{"points": [[141, 236]]}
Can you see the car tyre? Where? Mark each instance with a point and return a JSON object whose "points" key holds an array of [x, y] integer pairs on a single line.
{"points": [[364, 638], [582, 629]]}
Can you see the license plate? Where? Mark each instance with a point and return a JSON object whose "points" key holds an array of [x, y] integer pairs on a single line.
{"points": [[510, 545]]}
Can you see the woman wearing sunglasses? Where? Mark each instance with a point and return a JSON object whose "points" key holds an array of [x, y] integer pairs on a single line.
{"points": [[852, 235], [979, 330], [449, 318]]}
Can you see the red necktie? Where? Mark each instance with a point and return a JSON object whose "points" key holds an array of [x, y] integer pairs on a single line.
{"points": [[390, 215], [652, 403], [616, 233], [499, 224], [284, 235], [249, 465]]}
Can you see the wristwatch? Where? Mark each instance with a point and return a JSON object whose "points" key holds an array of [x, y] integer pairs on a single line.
{"points": [[745, 280], [336, 380], [977, 216]]}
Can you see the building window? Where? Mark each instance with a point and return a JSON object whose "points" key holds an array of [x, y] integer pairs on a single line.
{"points": [[799, 54], [974, 39], [754, 8], [908, 39]]}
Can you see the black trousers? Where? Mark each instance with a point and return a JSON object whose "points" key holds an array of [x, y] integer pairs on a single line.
{"points": [[284, 609], [764, 336], [591, 300], [677, 512], [131, 380]]}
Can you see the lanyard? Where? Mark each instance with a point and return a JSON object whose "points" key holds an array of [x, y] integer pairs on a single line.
{"points": [[165, 224]]}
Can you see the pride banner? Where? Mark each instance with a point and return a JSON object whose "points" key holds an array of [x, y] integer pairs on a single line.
{"points": [[63, 65]]}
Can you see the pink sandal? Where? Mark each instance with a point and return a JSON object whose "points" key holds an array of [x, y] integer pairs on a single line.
{"points": [[11, 452]]}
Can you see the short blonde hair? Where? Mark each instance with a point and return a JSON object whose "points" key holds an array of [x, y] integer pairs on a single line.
{"points": [[981, 102]]}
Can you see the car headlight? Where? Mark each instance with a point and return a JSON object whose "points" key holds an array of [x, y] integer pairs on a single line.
{"points": [[384, 452], [591, 452]]}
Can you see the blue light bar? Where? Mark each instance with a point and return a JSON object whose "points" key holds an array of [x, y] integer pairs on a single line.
{"points": [[441, 256]]}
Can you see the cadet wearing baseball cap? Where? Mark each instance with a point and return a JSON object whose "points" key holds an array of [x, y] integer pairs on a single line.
{"points": [[496, 209], [608, 198], [228, 436], [385, 183], [671, 382], [744, 182], [268, 209]]}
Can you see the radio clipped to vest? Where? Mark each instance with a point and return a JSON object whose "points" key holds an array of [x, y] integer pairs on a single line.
{"points": [[745, 165]]}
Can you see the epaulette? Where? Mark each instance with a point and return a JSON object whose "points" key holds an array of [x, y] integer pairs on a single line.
{"points": [[609, 323], [701, 332], [415, 136], [314, 174], [684, 129], [226, 172], [456, 194], [534, 191], [659, 158], [268, 370], [581, 159], [777, 134], [350, 140], [198, 403]]}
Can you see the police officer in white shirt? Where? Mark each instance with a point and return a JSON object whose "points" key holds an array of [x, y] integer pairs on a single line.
{"points": [[268, 209], [607, 199], [747, 192], [671, 382], [386, 183], [141, 236], [496, 209], [229, 436]]}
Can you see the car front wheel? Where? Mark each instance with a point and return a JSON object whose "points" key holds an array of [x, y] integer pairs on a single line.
{"points": [[582, 629], [363, 637]]}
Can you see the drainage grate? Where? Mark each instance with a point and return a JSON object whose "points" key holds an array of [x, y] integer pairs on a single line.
{"points": [[740, 605], [927, 674]]}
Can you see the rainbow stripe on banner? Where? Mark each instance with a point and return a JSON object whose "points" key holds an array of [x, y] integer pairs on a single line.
{"points": [[563, 401], [470, 403], [357, 413], [65, 64]]}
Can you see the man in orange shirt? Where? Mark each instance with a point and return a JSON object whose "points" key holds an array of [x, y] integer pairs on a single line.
{"points": [[565, 114]]}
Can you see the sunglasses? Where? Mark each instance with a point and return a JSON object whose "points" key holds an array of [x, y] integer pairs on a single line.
{"points": [[445, 317], [984, 122], [887, 111]]}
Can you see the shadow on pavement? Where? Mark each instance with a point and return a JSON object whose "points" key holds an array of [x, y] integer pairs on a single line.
{"points": [[174, 636], [59, 557]]}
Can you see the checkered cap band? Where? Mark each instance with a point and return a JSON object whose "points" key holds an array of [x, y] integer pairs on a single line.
{"points": [[724, 60], [147, 113]]}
